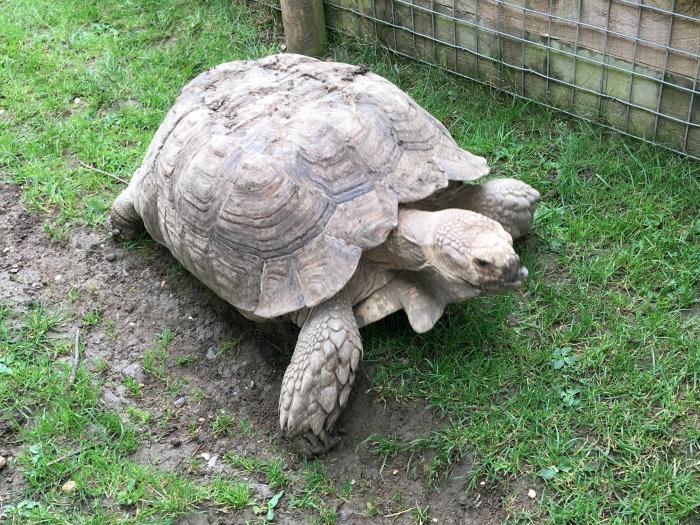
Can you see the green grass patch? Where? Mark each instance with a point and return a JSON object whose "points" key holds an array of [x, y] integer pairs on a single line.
{"points": [[223, 425], [67, 435], [271, 470], [233, 495], [154, 357]]}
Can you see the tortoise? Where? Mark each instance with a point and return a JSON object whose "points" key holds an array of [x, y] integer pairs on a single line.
{"points": [[320, 193]]}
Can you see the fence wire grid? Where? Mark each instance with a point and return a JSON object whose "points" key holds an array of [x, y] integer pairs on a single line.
{"points": [[631, 66]]}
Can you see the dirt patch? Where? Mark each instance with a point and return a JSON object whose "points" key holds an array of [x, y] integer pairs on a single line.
{"points": [[693, 312], [217, 363]]}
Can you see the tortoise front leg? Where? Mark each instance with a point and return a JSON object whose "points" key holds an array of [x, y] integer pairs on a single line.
{"points": [[508, 201], [319, 377]]}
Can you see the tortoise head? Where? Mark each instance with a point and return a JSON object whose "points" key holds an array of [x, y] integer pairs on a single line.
{"points": [[476, 251]]}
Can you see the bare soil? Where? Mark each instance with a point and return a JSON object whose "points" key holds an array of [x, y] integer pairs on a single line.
{"points": [[142, 290]]}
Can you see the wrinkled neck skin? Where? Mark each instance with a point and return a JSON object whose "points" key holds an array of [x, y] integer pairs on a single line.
{"points": [[409, 245]]}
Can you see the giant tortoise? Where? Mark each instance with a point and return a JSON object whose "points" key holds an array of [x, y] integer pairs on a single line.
{"points": [[321, 193]]}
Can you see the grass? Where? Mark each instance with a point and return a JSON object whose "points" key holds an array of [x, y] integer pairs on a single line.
{"points": [[72, 437], [587, 380], [223, 425], [154, 358], [233, 495], [271, 470]]}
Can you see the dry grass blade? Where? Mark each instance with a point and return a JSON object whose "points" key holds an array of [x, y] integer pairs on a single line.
{"points": [[397, 514], [75, 361], [64, 457], [102, 172]]}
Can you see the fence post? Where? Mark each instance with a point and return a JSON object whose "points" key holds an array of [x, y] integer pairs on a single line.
{"points": [[304, 26]]}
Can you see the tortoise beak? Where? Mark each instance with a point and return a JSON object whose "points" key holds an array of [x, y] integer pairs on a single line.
{"points": [[519, 274], [514, 279]]}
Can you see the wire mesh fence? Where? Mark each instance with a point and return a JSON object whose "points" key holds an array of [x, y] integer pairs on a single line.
{"points": [[630, 65]]}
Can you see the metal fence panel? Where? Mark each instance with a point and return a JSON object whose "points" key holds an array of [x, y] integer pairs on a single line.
{"points": [[630, 65]]}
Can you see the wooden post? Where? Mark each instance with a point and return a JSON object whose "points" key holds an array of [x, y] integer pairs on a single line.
{"points": [[304, 26]]}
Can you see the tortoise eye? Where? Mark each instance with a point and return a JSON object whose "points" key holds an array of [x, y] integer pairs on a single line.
{"points": [[481, 262]]}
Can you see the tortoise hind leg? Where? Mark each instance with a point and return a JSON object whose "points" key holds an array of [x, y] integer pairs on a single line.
{"points": [[125, 222], [319, 377]]}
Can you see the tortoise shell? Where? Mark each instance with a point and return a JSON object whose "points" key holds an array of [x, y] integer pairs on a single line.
{"points": [[268, 178]]}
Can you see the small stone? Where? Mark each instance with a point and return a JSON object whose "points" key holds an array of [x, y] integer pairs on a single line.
{"points": [[69, 487], [94, 431], [179, 402], [263, 490], [352, 482], [109, 398], [205, 456], [346, 513], [3, 462], [76, 101], [134, 371], [201, 420], [132, 324], [162, 284], [111, 257], [395, 472], [212, 352], [13, 270], [482, 483], [58, 278], [531, 494], [434, 520], [211, 463]]}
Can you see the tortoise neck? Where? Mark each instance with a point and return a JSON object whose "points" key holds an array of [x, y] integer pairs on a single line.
{"points": [[408, 245]]}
